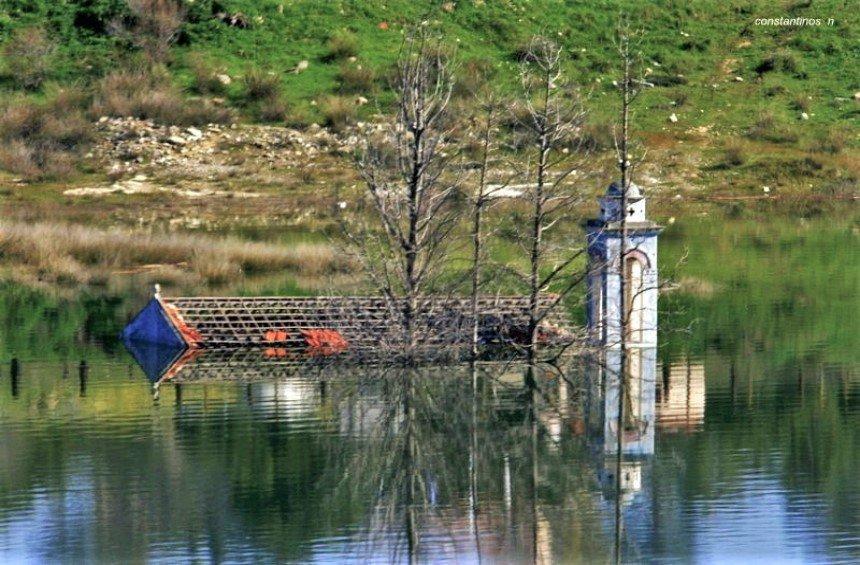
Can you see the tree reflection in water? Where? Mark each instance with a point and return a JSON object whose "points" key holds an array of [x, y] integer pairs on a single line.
{"points": [[486, 462], [470, 455]]}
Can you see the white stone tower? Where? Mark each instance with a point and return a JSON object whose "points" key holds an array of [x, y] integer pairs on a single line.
{"points": [[605, 303], [605, 308]]}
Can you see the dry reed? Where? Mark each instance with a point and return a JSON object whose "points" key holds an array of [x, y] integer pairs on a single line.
{"points": [[70, 255]]}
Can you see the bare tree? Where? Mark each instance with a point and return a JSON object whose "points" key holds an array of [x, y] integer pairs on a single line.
{"points": [[486, 123], [411, 183], [552, 121], [153, 26], [629, 87], [479, 202]]}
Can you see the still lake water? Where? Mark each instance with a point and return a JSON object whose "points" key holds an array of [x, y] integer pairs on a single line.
{"points": [[756, 456]]}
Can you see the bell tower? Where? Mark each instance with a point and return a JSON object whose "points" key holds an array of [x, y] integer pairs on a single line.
{"points": [[608, 303], [605, 305]]}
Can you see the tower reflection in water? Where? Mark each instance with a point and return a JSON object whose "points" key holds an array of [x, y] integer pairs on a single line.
{"points": [[669, 397]]}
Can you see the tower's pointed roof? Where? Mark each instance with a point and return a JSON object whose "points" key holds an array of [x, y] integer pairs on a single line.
{"points": [[615, 191]]}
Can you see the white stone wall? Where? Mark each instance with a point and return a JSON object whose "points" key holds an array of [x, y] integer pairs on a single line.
{"points": [[605, 305]]}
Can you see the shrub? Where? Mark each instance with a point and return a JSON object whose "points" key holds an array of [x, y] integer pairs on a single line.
{"points": [[597, 136], [261, 84], [272, 110], [527, 51], [833, 141], [733, 156], [768, 128], [297, 117], [667, 80], [341, 45], [42, 140], [474, 76], [782, 60], [356, 78], [790, 168], [19, 158], [800, 103], [700, 44], [28, 55], [197, 112], [205, 76], [775, 90], [136, 93], [153, 27], [516, 113], [338, 111], [678, 96], [150, 95]]}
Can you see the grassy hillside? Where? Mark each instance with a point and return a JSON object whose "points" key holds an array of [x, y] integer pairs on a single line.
{"points": [[705, 41], [753, 105]]}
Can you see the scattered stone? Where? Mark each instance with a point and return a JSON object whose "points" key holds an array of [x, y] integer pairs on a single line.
{"points": [[224, 79], [857, 96], [301, 66], [673, 118], [103, 119], [237, 19], [739, 79], [449, 6], [130, 148], [765, 189], [804, 116], [361, 101]]}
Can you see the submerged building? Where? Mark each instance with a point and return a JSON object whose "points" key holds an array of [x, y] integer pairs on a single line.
{"points": [[333, 325]]}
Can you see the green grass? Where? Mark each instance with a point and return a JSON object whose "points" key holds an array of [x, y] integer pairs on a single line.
{"points": [[694, 40]]}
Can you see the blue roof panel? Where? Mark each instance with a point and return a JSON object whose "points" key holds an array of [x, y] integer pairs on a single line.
{"points": [[153, 326]]}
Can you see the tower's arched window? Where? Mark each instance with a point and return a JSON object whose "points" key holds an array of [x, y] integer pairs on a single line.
{"points": [[634, 270]]}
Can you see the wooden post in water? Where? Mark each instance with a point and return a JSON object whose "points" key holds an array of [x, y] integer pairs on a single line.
{"points": [[83, 375], [15, 373], [732, 380]]}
